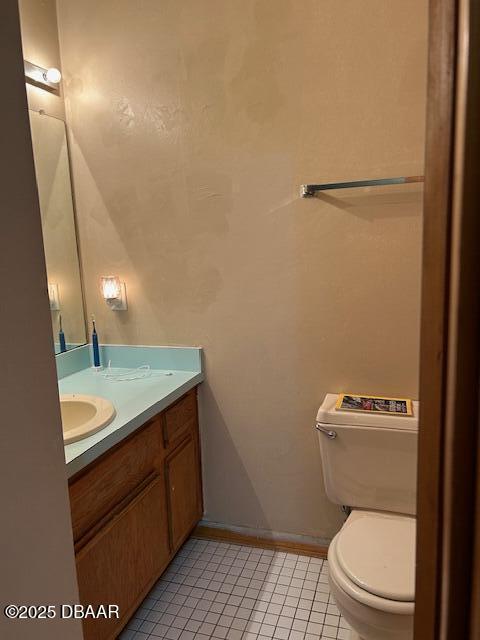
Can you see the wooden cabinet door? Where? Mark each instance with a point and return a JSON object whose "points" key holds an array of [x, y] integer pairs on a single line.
{"points": [[115, 476], [180, 418], [183, 490], [120, 563]]}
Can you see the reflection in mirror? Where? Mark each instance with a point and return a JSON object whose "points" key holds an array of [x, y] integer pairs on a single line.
{"points": [[59, 236]]}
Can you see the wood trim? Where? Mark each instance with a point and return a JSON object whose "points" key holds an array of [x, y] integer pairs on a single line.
{"points": [[463, 373], [475, 599], [446, 608], [472, 174], [288, 546], [436, 232]]}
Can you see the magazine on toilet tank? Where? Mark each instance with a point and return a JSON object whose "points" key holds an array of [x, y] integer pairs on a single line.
{"points": [[374, 404]]}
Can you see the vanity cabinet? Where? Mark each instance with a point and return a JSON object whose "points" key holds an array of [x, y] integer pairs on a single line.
{"points": [[183, 492], [131, 511]]}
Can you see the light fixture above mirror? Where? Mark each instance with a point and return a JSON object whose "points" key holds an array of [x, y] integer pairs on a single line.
{"points": [[48, 79]]}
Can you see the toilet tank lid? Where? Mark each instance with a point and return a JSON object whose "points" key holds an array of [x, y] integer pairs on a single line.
{"points": [[327, 414]]}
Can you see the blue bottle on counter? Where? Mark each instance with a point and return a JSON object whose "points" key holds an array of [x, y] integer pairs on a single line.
{"points": [[61, 336], [96, 351]]}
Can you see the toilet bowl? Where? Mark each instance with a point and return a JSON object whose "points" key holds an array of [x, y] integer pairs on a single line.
{"points": [[372, 575], [369, 465]]}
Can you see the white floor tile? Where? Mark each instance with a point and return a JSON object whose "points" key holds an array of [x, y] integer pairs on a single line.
{"points": [[281, 633], [214, 590]]}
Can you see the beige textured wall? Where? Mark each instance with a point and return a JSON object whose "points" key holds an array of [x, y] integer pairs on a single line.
{"points": [[40, 45], [37, 561], [193, 125]]}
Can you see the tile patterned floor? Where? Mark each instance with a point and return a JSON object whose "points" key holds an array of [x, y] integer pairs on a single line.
{"points": [[219, 591]]}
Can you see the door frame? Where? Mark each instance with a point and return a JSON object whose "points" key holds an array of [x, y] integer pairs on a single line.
{"points": [[447, 589]]}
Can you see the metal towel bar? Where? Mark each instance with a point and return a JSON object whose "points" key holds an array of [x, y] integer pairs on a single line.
{"points": [[309, 190]]}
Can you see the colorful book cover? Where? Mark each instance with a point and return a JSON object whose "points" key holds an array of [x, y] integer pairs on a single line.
{"points": [[374, 404]]}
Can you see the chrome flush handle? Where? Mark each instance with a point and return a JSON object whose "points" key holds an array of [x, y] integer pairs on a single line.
{"points": [[328, 432]]}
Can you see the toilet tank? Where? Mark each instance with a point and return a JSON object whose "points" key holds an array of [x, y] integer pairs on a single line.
{"points": [[371, 463]]}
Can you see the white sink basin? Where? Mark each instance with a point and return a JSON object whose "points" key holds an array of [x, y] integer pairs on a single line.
{"points": [[84, 415]]}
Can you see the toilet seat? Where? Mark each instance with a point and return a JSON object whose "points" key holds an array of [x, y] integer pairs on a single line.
{"points": [[377, 552], [372, 559]]}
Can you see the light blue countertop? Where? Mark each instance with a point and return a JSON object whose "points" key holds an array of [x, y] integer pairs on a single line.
{"points": [[173, 371]]}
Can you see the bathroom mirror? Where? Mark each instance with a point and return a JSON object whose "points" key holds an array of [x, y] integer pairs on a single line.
{"points": [[52, 169]]}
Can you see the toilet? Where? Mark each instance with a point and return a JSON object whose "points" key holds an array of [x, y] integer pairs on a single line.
{"points": [[369, 465]]}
